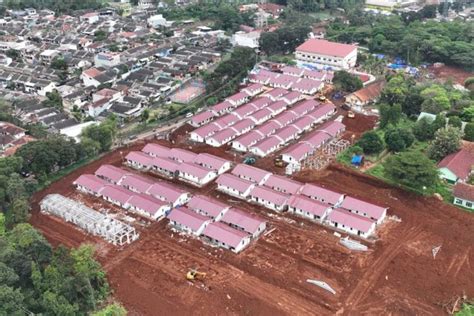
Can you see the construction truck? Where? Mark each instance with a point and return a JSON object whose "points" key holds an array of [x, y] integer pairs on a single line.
{"points": [[194, 274]]}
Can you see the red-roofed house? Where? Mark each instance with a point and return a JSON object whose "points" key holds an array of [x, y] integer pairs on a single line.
{"points": [[201, 118], [222, 137], [156, 150], [195, 174], [351, 223], [456, 167], [297, 153], [213, 162], [90, 184], [166, 166], [321, 194], [234, 185], [464, 195], [136, 183], [238, 99], [169, 193], [207, 206], [253, 174], [369, 210], [139, 160], [188, 221], [327, 53], [238, 219], [226, 237], [253, 89], [283, 184], [116, 195], [181, 155], [148, 206], [269, 198], [309, 208], [266, 146], [245, 141], [110, 173], [200, 134]]}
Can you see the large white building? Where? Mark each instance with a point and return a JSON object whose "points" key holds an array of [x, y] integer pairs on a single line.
{"points": [[321, 52]]}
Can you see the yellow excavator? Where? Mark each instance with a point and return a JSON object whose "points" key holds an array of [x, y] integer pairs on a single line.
{"points": [[194, 274]]}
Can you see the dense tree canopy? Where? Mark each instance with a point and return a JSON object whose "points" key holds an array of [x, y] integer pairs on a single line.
{"points": [[36, 279], [419, 41], [284, 40], [412, 169], [59, 6], [398, 139], [447, 141], [371, 143], [347, 82]]}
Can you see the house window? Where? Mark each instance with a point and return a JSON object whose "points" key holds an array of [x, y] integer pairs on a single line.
{"points": [[468, 204], [458, 201]]}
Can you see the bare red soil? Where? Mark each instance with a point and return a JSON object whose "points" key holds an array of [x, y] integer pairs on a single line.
{"points": [[457, 75], [397, 276]]}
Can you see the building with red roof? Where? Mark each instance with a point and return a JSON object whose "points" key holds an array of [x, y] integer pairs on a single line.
{"points": [[188, 221], [369, 210], [195, 174], [321, 194], [148, 206], [253, 174], [351, 223], [226, 237], [207, 206], [156, 150], [307, 207], [233, 185], [283, 184], [456, 167], [327, 53], [90, 184], [464, 195], [139, 160], [201, 118], [110, 173], [169, 193], [269, 198], [241, 220]]}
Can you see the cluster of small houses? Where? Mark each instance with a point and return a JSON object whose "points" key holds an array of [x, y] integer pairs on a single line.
{"points": [[195, 169], [261, 121], [280, 193], [198, 215], [274, 192]]}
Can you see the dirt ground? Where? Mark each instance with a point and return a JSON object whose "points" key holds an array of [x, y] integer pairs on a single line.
{"points": [[455, 74], [398, 276]]}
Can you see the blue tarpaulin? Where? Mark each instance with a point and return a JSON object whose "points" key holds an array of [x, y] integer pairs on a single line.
{"points": [[357, 160]]}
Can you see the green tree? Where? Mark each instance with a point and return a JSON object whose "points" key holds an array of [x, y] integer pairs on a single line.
{"points": [[371, 143], [13, 54], [447, 141], [2, 225], [398, 139], [7, 275], [455, 121], [395, 90], [100, 35], [468, 114], [412, 169], [423, 130], [390, 114], [11, 301], [346, 81], [18, 212], [268, 42], [102, 134], [59, 63], [467, 310], [436, 99], [145, 115], [469, 132], [53, 100]]}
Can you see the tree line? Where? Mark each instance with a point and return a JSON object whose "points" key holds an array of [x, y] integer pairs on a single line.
{"points": [[416, 41], [58, 6]]}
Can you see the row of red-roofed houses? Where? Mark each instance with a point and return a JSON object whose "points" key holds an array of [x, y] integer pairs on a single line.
{"points": [[257, 110], [304, 84], [132, 192], [197, 169], [280, 193], [226, 227], [315, 140]]}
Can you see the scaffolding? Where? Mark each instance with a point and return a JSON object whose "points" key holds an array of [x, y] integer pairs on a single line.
{"points": [[335, 147], [91, 221]]}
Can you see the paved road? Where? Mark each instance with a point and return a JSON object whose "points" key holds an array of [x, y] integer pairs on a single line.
{"points": [[157, 130]]}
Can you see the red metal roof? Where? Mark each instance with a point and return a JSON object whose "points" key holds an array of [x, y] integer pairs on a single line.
{"points": [[146, 203], [242, 219], [298, 151], [194, 170], [116, 193], [212, 161], [249, 172], [234, 182], [314, 191], [181, 155], [166, 191], [225, 234], [156, 150], [202, 117], [352, 220], [140, 157], [370, 209], [139, 183], [332, 128], [166, 164], [207, 205], [270, 195], [91, 182], [283, 184], [308, 205], [464, 191], [111, 172], [324, 47], [460, 163], [188, 218]]}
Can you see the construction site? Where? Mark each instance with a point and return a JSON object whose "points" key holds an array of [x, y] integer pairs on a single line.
{"points": [[297, 266]]}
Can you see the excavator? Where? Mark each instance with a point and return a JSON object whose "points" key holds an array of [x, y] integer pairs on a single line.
{"points": [[194, 274]]}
